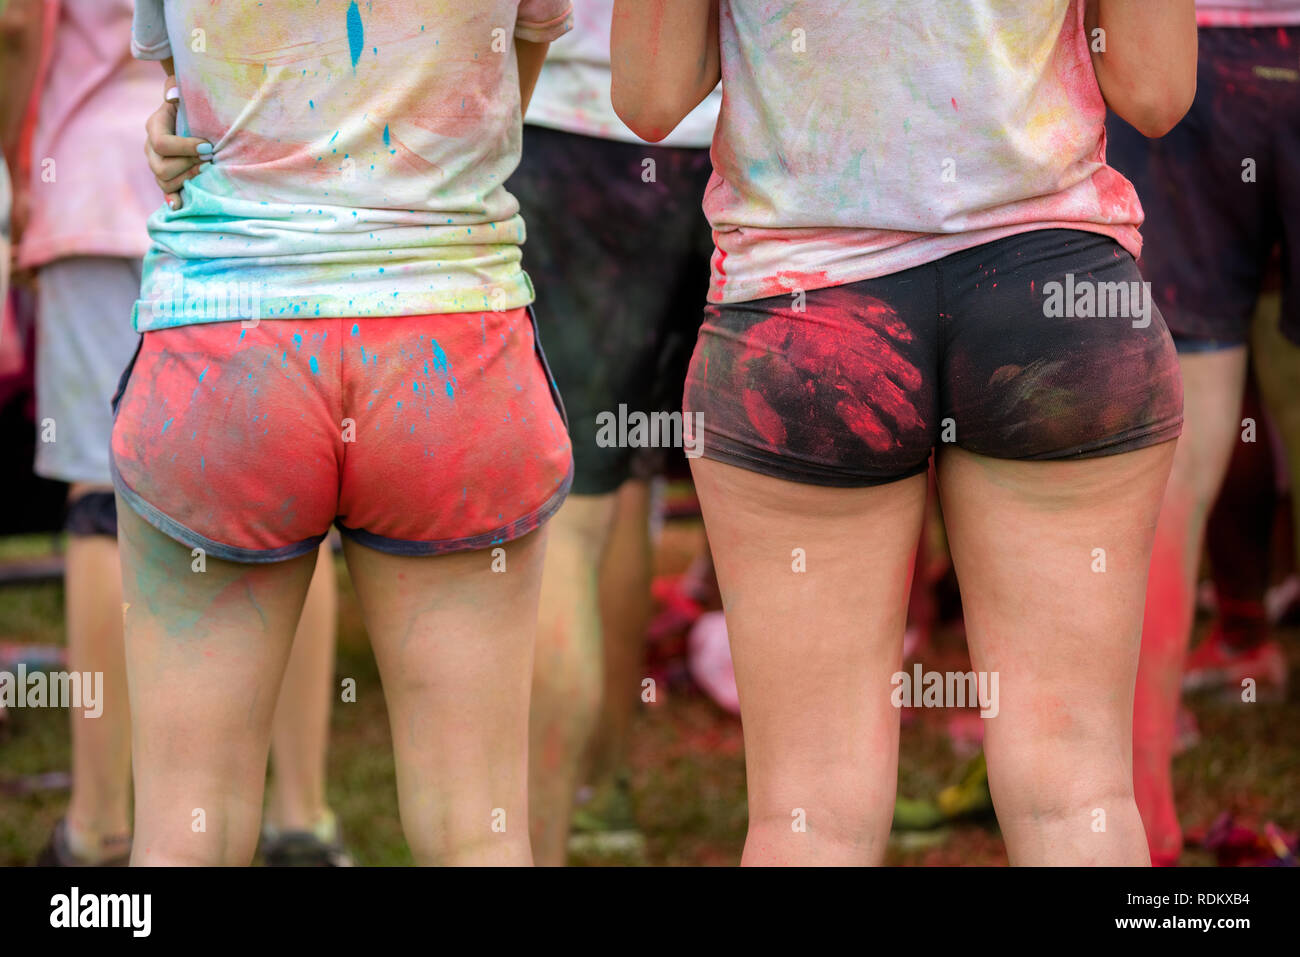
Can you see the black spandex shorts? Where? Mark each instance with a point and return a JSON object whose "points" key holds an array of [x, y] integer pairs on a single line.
{"points": [[1222, 189], [1038, 346], [620, 262]]}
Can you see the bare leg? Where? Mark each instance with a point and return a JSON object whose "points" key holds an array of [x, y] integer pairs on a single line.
{"points": [[99, 810], [1061, 634], [625, 606], [814, 651], [568, 676], [1213, 383], [454, 641], [206, 648], [300, 730], [1277, 365]]}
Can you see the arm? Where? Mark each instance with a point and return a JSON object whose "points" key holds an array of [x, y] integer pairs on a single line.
{"points": [[665, 60], [22, 28], [530, 56], [1147, 73]]}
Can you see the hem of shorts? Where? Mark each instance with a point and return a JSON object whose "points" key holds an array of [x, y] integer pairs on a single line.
{"points": [[1131, 441], [502, 534], [737, 291], [763, 466], [213, 549], [1199, 344]]}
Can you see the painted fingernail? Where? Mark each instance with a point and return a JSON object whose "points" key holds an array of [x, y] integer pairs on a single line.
{"points": [[204, 149], [173, 94], [171, 201]]}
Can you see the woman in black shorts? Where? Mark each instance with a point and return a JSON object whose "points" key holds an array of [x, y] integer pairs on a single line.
{"points": [[920, 247]]}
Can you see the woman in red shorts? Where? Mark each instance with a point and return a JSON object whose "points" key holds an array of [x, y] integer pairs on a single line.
{"points": [[336, 330]]}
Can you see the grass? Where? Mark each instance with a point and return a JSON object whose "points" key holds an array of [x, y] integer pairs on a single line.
{"points": [[687, 758]]}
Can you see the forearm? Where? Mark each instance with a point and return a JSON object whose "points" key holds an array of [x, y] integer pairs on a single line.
{"points": [[21, 28], [665, 60], [1147, 70], [530, 56]]}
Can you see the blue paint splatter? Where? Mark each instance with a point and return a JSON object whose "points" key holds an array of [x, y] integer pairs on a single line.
{"points": [[315, 366], [439, 357], [297, 339], [387, 138], [204, 372], [167, 423], [356, 34], [356, 329]]}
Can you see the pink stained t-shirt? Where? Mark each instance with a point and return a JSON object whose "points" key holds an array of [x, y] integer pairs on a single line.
{"points": [[91, 188], [858, 140]]}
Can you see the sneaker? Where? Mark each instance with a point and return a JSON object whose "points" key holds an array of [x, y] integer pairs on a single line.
{"points": [[320, 848], [59, 853], [1215, 665]]}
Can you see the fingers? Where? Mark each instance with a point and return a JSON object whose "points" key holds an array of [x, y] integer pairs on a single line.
{"points": [[172, 159]]}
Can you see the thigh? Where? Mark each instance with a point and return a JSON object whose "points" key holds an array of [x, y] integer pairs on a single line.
{"points": [[206, 647], [453, 636], [1214, 383], [1052, 558], [814, 581]]}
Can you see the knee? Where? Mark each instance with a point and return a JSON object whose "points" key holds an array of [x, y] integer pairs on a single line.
{"points": [[1057, 782]]}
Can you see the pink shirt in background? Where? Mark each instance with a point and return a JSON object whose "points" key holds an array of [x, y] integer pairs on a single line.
{"points": [[1247, 13], [91, 189]]}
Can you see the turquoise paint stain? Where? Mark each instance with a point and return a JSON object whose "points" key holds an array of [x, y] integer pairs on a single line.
{"points": [[315, 366], [167, 423], [439, 357], [356, 329], [204, 372], [387, 139], [451, 393], [297, 340], [356, 33], [415, 387]]}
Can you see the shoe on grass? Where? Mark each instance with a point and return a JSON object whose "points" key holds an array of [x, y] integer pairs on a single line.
{"points": [[59, 853]]}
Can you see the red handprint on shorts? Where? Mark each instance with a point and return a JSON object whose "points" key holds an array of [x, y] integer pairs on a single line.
{"points": [[849, 365]]}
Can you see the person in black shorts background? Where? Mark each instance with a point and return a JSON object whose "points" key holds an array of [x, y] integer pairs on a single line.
{"points": [[1221, 193]]}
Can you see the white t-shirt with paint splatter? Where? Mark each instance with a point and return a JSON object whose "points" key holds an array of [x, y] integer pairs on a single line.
{"points": [[361, 149], [858, 140]]}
